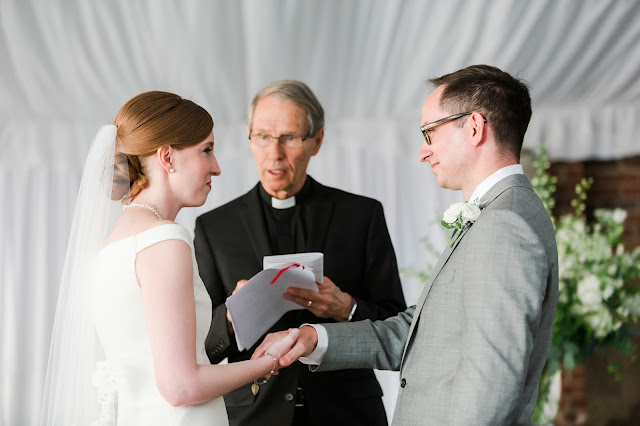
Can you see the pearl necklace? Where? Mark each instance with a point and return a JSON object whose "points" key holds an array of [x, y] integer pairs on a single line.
{"points": [[146, 206]]}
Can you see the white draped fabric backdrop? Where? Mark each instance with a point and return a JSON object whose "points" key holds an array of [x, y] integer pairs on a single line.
{"points": [[67, 67]]}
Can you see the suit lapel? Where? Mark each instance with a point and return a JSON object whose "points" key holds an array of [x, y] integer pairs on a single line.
{"points": [[492, 194], [318, 210], [444, 257], [255, 225]]}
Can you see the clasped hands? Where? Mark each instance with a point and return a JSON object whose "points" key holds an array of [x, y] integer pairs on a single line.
{"points": [[301, 342], [289, 345]]}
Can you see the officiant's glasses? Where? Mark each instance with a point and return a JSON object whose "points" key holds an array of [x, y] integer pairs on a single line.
{"points": [[288, 141], [425, 129]]}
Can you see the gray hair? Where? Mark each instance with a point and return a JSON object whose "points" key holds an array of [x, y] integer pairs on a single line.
{"points": [[297, 92]]}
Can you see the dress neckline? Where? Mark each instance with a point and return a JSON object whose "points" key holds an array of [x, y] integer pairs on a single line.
{"points": [[117, 242]]}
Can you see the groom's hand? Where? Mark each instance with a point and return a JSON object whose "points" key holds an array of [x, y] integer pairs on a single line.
{"points": [[304, 345]]}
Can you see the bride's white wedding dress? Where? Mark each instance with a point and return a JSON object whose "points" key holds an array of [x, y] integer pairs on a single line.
{"points": [[128, 375]]}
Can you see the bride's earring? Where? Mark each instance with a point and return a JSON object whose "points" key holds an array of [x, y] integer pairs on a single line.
{"points": [[171, 171]]}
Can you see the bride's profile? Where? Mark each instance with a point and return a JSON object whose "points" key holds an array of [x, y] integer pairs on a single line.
{"points": [[132, 316]]}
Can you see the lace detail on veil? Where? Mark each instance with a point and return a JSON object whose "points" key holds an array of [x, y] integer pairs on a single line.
{"points": [[105, 379]]}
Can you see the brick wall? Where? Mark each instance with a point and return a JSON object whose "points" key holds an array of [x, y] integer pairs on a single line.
{"points": [[591, 395], [616, 183]]}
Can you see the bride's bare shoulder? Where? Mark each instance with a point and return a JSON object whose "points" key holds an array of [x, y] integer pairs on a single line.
{"points": [[129, 225]]}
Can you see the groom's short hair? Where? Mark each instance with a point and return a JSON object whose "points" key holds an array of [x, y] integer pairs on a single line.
{"points": [[502, 99]]}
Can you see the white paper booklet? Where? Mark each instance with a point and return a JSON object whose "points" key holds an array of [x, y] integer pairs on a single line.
{"points": [[260, 302], [313, 260]]}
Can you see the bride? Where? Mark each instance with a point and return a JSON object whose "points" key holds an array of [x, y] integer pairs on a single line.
{"points": [[133, 313]]}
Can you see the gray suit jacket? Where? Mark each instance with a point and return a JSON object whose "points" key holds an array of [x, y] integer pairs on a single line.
{"points": [[471, 351]]}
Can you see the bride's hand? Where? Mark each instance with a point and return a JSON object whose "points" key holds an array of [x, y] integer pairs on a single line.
{"points": [[277, 344]]}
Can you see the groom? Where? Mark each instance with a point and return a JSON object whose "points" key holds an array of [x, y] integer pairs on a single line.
{"points": [[472, 350]]}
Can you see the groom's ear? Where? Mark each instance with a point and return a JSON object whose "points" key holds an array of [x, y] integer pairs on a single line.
{"points": [[477, 129], [165, 157]]}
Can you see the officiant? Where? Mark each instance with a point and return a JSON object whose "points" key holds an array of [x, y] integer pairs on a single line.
{"points": [[289, 212]]}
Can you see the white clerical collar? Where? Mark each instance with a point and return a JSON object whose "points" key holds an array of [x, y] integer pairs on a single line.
{"points": [[496, 177], [287, 203]]}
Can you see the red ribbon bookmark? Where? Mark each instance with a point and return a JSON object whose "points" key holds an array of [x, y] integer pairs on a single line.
{"points": [[284, 269]]}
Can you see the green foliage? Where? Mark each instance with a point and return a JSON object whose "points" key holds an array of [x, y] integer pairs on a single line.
{"points": [[599, 299], [544, 184]]}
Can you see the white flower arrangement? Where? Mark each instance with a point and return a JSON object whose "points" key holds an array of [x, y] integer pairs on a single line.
{"points": [[599, 297], [597, 289], [460, 216]]}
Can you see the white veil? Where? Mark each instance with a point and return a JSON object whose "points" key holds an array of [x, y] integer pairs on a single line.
{"points": [[70, 397]]}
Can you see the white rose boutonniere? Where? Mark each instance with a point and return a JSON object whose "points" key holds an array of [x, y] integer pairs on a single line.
{"points": [[460, 216]]}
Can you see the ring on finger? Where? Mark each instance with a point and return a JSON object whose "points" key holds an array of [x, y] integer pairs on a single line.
{"points": [[309, 303]]}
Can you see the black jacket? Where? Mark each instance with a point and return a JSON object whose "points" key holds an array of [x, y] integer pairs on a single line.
{"points": [[230, 242]]}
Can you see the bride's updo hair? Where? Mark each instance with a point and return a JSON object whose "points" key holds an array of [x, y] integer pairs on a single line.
{"points": [[147, 122]]}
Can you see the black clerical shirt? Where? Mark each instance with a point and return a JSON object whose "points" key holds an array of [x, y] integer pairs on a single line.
{"points": [[287, 227]]}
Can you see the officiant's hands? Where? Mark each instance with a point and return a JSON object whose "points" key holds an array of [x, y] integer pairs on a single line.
{"points": [[328, 302], [306, 342]]}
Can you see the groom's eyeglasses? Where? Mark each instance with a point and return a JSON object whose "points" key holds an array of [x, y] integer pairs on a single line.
{"points": [[425, 129]]}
